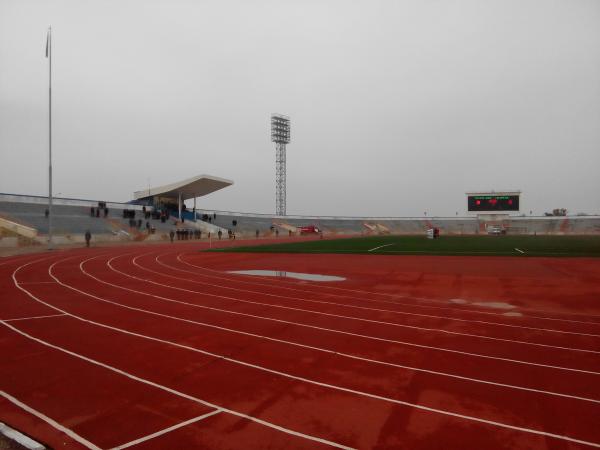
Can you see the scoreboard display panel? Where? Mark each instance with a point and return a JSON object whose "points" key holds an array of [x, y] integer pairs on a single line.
{"points": [[493, 202]]}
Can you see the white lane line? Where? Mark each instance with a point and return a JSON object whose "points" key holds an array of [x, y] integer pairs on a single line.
{"points": [[325, 385], [403, 313], [385, 294], [167, 430], [142, 380], [45, 418], [34, 317], [297, 344], [519, 250], [347, 333], [362, 319], [381, 246]]}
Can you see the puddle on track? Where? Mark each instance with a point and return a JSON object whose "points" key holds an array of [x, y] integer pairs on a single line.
{"points": [[284, 274]]}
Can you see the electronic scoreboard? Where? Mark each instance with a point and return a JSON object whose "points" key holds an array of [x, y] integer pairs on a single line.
{"points": [[492, 202]]}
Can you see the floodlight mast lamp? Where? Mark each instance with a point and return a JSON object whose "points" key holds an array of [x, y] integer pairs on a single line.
{"points": [[280, 134]]}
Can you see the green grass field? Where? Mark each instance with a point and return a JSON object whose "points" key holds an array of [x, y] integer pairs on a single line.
{"points": [[446, 245]]}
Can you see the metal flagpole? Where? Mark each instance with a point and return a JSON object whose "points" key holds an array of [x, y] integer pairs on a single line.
{"points": [[49, 56]]}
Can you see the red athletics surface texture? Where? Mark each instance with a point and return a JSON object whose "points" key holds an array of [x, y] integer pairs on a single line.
{"points": [[161, 348]]}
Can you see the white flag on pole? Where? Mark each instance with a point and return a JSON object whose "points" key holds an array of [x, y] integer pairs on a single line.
{"points": [[48, 42]]}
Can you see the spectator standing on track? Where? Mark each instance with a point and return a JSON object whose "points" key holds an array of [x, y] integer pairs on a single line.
{"points": [[171, 235], [220, 233], [88, 237]]}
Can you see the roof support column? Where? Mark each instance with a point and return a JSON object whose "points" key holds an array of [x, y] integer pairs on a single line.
{"points": [[179, 206]]}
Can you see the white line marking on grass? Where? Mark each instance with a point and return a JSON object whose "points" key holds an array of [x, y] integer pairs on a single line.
{"points": [[381, 246], [371, 293], [347, 333], [404, 313], [34, 317], [45, 418], [168, 430], [519, 250], [326, 385], [142, 380]]}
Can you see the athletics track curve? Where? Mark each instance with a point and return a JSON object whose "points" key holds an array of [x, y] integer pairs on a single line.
{"points": [[160, 347]]}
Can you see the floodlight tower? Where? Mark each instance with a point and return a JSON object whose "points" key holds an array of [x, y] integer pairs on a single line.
{"points": [[280, 134]]}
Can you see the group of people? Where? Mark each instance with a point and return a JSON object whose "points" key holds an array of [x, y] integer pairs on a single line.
{"points": [[184, 234], [209, 217], [95, 212], [129, 214]]}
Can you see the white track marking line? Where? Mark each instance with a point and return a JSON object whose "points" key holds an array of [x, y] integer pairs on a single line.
{"points": [[388, 295], [326, 385], [34, 317], [519, 250], [398, 303], [142, 380], [297, 344], [404, 313], [347, 333], [167, 389], [362, 319], [47, 419], [20, 438], [381, 246], [168, 430]]}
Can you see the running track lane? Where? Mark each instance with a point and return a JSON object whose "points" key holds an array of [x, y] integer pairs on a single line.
{"points": [[324, 316], [549, 284], [270, 327], [46, 286], [239, 431], [336, 292], [449, 324]]}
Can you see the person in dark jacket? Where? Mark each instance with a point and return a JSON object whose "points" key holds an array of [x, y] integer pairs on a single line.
{"points": [[172, 235], [88, 238]]}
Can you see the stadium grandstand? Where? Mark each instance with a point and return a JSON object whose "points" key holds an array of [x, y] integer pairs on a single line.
{"points": [[154, 213]]}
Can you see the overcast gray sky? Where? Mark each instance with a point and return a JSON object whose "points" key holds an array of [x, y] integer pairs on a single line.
{"points": [[397, 107]]}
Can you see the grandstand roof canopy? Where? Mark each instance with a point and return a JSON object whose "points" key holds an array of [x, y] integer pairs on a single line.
{"points": [[192, 187]]}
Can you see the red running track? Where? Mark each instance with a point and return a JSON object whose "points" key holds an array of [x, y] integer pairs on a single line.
{"points": [[159, 347]]}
